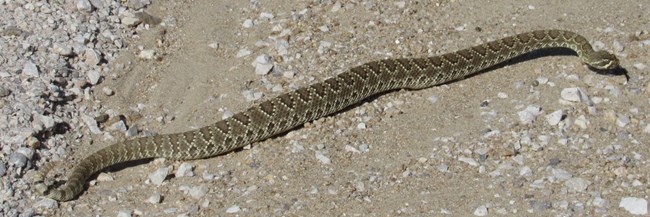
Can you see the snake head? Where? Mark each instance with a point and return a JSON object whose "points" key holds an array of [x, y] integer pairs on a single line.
{"points": [[603, 60]]}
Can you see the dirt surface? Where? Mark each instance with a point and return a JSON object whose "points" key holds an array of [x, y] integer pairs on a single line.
{"points": [[452, 149]]}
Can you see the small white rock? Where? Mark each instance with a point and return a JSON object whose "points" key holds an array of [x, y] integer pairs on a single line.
{"points": [[158, 176], [197, 192], [481, 211], [243, 52], [227, 114], [104, 177], [62, 49], [154, 198], [263, 64], [634, 205], [233, 209], [92, 57], [30, 69], [214, 45], [572, 94], [185, 169], [322, 158], [93, 77], [469, 161], [361, 126], [577, 184], [130, 19], [248, 23], [647, 128], [91, 123], [266, 15], [561, 174], [433, 99], [528, 115], [147, 54], [108, 91], [124, 213], [581, 122], [622, 120], [349, 148], [555, 117], [84, 6], [502, 95]]}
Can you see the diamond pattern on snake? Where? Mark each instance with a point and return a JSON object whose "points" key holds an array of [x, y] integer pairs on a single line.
{"points": [[308, 103]]}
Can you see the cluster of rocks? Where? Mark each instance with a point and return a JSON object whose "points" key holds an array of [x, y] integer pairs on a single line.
{"points": [[53, 54]]}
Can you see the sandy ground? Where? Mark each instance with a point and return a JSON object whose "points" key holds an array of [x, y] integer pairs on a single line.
{"points": [[412, 151]]}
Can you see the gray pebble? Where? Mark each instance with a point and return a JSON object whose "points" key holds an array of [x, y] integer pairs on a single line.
{"points": [[46, 204], [469, 161], [158, 176], [243, 52], [93, 77], [481, 211], [119, 126], [27, 152], [147, 54], [263, 64], [248, 23], [129, 19], [84, 6], [62, 49], [138, 4], [154, 198], [572, 94], [528, 115], [555, 117], [322, 158], [433, 99], [185, 169], [30, 69], [561, 174], [233, 209], [3, 168], [197, 192], [124, 213], [92, 57], [622, 120], [540, 206], [133, 131], [108, 91], [91, 123], [577, 184], [17, 159], [4, 92], [634, 205]]}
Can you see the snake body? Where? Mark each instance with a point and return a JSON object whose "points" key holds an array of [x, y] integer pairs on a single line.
{"points": [[308, 103]]}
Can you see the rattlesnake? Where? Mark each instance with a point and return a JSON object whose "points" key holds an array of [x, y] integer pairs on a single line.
{"points": [[294, 108]]}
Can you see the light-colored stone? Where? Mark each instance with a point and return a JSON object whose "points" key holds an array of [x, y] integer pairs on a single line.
{"points": [[634, 205], [84, 6], [528, 115], [30, 69], [555, 117], [577, 184], [158, 176]]}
